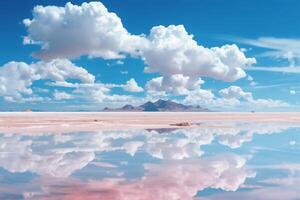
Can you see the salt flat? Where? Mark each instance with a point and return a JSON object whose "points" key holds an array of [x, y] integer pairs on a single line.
{"points": [[20, 122]]}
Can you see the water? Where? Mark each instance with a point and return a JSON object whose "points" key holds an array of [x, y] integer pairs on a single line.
{"points": [[231, 161]]}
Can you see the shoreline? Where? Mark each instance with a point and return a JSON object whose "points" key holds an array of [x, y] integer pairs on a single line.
{"points": [[60, 122]]}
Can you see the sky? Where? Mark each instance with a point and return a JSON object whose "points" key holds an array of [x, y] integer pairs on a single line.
{"points": [[86, 55]]}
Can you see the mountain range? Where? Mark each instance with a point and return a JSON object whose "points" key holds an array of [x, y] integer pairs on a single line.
{"points": [[158, 106]]}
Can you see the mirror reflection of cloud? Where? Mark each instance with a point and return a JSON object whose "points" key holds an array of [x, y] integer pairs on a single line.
{"points": [[60, 155], [169, 180], [178, 167]]}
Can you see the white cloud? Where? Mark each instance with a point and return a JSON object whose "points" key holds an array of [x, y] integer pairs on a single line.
{"points": [[65, 153], [175, 84], [292, 92], [98, 92], [236, 93], [91, 30], [199, 97], [172, 50], [132, 86], [292, 70], [16, 78], [250, 78], [24, 158], [292, 142], [132, 147], [165, 181], [232, 97], [95, 93], [124, 72], [120, 62], [60, 95], [253, 84], [282, 48], [273, 188], [71, 31]]}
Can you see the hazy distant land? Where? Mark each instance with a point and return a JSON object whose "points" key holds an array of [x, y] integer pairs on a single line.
{"points": [[158, 106]]}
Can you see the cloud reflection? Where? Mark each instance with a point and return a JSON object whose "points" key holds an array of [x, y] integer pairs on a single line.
{"points": [[169, 180], [173, 162], [60, 155]]}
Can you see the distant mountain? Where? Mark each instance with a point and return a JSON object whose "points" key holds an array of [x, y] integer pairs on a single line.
{"points": [[158, 106]]}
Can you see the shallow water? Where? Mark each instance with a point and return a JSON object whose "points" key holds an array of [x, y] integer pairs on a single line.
{"points": [[236, 161]]}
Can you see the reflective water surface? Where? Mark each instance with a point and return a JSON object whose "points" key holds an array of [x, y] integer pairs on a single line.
{"points": [[235, 161]]}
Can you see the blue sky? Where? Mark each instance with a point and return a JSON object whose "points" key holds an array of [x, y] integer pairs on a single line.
{"points": [[225, 55]]}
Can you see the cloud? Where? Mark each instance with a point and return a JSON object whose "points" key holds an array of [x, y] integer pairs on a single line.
{"points": [[124, 72], [176, 84], [199, 97], [292, 70], [120, 62], [24, 158], [72, 31], [170, 180], [91, 30], [59, 95], [250, 78], [99, 92], [272, 189], [230, 98], [132, 86], [96, 92], [235, 92], [172, 50], [174, 54], [64, 153], [253, 83], [132, 147], [283, 48], [292, 92], [16, 78]]}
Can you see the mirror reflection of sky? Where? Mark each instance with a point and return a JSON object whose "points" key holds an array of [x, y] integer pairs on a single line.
{"points": [[240, 161]]}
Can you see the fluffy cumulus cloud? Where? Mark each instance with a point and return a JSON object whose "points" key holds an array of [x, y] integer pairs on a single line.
{"points": [[99, 93], [278, 48], [199, 96], [166, 181], [91, 30], [175, 84], [232, 97], [91, 93], [235, 92], [174, 54], [180, 174], [171, 50], [132, 86], [179, 144], [16, 78], [270, 189], [75, 30], [58, 164], [60, 95], [292, 92]]}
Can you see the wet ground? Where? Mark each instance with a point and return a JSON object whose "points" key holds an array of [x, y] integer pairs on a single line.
{"points": [[242, 160]]}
